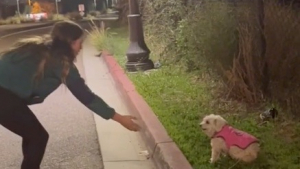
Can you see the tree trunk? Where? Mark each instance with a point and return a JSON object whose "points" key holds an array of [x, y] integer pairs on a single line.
{"points": [[262, 41]]}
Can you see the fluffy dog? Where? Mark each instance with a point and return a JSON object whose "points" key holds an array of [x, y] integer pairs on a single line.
{"points": [[225, 140]]}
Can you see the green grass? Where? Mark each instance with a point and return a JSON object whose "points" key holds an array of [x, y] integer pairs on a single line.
{"points": [[181, 99]]}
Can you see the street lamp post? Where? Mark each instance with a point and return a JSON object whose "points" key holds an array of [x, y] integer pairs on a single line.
{"points": [[56, 5], [138, 52], [95, 4], [18, 7]]}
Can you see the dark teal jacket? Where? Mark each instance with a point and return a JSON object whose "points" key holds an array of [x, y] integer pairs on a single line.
{"points": [[17, 75]]}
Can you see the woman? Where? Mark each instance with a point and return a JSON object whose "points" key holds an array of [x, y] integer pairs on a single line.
{"points": [[32, 70]]}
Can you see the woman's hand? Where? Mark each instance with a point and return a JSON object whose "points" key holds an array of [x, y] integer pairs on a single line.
{"points": [[127, 121]]}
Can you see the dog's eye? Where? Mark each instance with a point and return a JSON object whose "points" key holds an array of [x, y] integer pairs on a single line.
{"points": [[207, 122]]}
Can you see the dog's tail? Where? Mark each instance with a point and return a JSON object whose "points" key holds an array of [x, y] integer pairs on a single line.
{"points": [[252, 153]]}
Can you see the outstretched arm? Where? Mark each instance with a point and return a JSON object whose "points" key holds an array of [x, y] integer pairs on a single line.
{"points": [[81, 91]]}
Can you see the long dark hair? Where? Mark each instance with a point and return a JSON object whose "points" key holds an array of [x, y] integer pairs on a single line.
{"points": [[56, 45], [62, 35]]}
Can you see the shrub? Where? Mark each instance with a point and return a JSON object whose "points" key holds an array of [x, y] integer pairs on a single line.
{"points": [[95, 13], [101, 38], [207, 36], [225, 38], [74, 16], [16, 20], [282, 54], [57, 17], [247, 77]]}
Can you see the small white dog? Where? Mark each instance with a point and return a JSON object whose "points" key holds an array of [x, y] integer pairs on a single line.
{"points": [[228, 140]]}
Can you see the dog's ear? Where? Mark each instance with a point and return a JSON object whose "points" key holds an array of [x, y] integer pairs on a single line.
{"points": [[219, 122]]}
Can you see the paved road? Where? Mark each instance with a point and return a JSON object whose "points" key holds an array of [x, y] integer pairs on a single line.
{"points": [[73, 140], [10, 26]]}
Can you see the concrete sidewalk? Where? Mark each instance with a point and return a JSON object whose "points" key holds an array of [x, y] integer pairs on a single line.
{"points": [[120, 148]]}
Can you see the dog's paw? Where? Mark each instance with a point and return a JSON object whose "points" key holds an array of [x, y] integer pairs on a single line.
{"points": [[211, 161]]}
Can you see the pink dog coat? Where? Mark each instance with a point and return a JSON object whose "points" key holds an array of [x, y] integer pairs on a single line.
{"points": [[234, 137]]}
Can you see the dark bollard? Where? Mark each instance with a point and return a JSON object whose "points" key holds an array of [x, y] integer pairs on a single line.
{"points": [[138, 52]]}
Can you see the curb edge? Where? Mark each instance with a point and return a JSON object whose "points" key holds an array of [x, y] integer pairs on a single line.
{"points": [[164, 151]]}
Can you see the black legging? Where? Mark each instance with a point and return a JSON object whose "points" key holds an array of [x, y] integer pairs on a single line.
{"points": [[16, 116]]}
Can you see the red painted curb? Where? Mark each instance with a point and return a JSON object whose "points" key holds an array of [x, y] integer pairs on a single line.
{"points": [[163, 150]]}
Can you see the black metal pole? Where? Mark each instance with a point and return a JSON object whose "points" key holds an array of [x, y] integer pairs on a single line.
{"points": [[138, 52]]}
